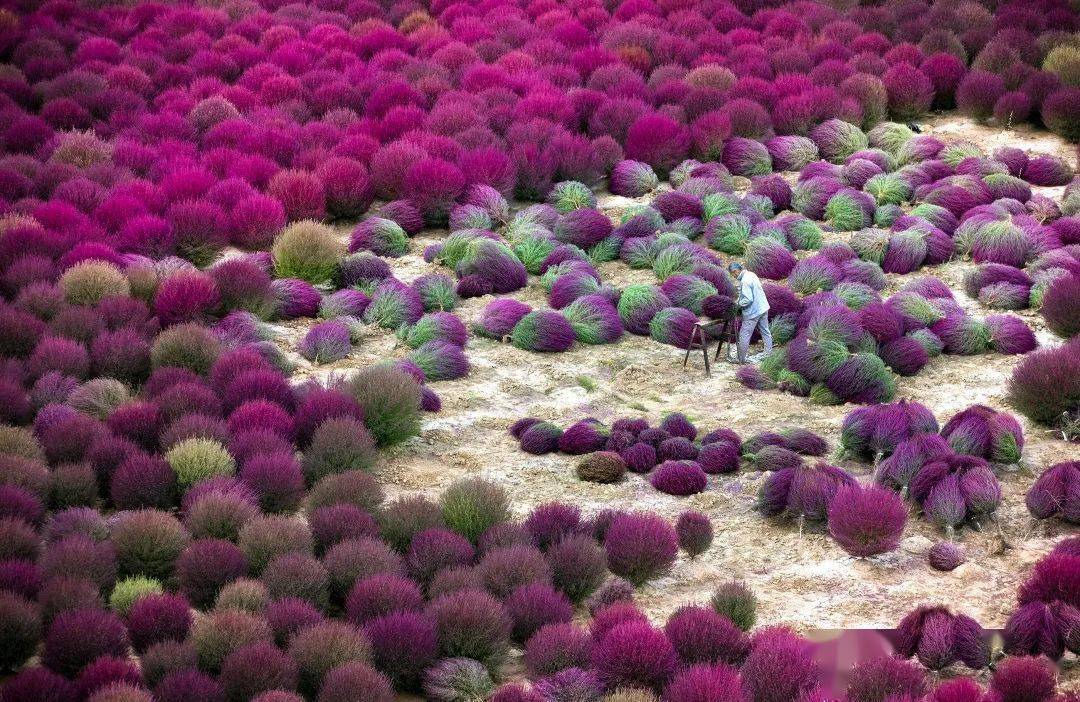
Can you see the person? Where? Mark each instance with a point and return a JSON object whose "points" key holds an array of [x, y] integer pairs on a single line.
{"points": [[755, 310]]}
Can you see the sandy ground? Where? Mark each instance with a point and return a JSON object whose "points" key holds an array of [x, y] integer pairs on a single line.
{"points": [[806, 580]]}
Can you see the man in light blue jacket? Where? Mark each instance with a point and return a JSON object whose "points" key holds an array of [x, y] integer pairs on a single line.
{"points": [[755, 310]]}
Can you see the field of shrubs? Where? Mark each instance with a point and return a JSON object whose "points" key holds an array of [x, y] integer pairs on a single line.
{"points": [[342, 351]]}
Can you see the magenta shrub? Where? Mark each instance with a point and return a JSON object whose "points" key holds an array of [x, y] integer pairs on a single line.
{"points": [[866, 521], [640, 547], [634, 654]]}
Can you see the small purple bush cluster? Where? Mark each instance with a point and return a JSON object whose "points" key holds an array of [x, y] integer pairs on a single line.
{"points": [[677, 460]]}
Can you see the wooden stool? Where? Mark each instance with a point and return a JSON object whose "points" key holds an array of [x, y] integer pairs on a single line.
{"points": [[699, 338]]}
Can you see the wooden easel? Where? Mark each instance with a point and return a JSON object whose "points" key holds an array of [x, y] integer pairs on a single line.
{"points": [[700, 339]]}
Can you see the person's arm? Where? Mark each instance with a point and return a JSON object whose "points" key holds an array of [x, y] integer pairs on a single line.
{"points": [[746, 293]]}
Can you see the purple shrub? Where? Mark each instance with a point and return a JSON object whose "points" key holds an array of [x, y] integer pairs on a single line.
{"points": [[700, 682], [38, 684], [877, 430], [679, 477], [473, 624], [632, 179], [381, 594], [658, 141], [556, 647], [326, 342], [778, 667], [719, 457], [983, 432], [694, 531], [879, 679], [978, 92], [866, 521], [746, 157], [206, 566], [1023, 679], [1010, 335], [640, 547], [77, 637], [21, 629], [535, 605], [254, 668], [186, 684], [106, 672], [1048, 170], [583, 437], [634, 654], [701, 635], [499, 317], [583, 228], [158, 617], [404, 644], [434, 549], [1055, 493], [946, 556], [1059, 306]]}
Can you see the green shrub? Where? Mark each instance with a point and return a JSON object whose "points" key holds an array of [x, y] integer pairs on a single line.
{"points": [[188, 346], [99, 397], [89, 282], [197, 458], [20, 442], [473, 505], [130, 589], [339, 445], [307, 250], [243, 594], [148, 542], [1064, 62], [390, 399]]}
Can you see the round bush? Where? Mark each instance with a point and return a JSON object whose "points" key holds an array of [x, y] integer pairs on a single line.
{"points": [[297, 575], [215, 635], [188, 684], [89, 282], [640, 547], [244, 594], [78, 637], [435, 549], [601, 467], [197, 459], [338, 445], [472, 624], [534, 605], [1061, 306], [679, 478], [866, 521], [157, 617], [148, 542], [255, 668], [390, 400], [404, 645], [266, 537], [695, 532], [735, 601], [129, 590], [206, 566], [471, 506], [288, 616], [188, 346], [323, 646], [308, 251], [1045, 385], [20, 629], [355, 681], [634, 654]]}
